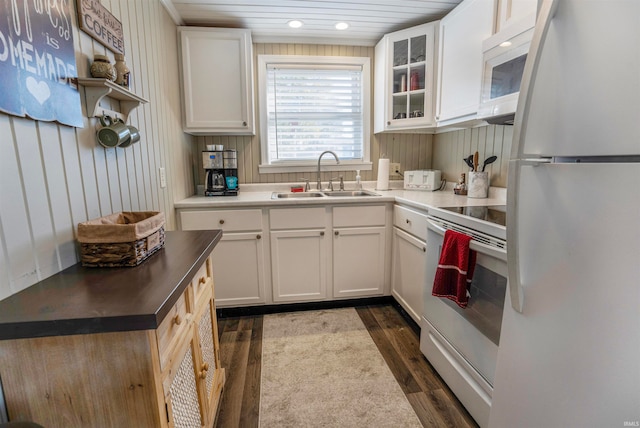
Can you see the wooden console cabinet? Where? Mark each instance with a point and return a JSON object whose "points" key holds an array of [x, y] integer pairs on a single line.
{"points": [[117, 347]]}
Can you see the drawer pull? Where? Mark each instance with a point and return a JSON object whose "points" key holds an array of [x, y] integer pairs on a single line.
{"points": [[336, 233], [424, 249], [205, 366], [177, 320], [258, 236], [202, 280], [221, 221], [408, 221]]}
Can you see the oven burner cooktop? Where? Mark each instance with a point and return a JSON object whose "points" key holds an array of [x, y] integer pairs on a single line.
{"points": [[494, 214]]}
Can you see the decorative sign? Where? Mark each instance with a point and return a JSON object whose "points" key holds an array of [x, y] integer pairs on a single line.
{"points": [[38, 76], [99, 23]]}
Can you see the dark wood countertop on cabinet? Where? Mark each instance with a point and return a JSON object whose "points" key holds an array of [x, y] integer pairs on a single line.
{"points": [[85, 300]]}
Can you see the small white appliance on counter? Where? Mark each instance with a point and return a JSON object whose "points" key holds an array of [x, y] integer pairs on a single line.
{"points": [[425, 179]]}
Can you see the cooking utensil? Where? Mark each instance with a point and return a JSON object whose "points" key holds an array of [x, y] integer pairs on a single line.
{"points": [[489, 161], [468, 161], [475, 161]]}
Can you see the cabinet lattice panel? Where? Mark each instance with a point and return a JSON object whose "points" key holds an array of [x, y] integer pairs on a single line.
{"points": [[184, 395], [206, 343]]}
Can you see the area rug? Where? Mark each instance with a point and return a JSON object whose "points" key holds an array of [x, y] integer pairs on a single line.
{"points": [[322, 369]]}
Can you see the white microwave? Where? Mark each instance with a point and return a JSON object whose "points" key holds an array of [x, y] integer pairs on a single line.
{"points": [[504, 56]]}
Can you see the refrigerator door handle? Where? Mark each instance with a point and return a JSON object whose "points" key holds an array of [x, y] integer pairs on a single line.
{"points": [[513, 258], [545, 15], [543, 21], [513, 255]]}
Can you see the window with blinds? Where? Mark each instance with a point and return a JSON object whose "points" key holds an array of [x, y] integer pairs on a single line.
{"points": [[312, 104]]}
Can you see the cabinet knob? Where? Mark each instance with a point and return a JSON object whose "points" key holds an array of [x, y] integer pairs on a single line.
{"points": [[321, 233], [244, 123], [389, 123], [221, 221], [336, 233], [258, 236], [424, 249], [202, 280], [205, 367], [408, 221], [177, 320], [203, 374]]}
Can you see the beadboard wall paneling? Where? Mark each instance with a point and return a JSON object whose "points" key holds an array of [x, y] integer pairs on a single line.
{"points": [[449, 150], [54, 176], [413, 151]]}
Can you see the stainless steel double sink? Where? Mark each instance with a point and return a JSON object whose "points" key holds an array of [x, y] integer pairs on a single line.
{"points": [[323, 194]]}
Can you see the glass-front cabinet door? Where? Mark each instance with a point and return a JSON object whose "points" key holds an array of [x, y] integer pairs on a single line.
{"points": [[407, 78]]}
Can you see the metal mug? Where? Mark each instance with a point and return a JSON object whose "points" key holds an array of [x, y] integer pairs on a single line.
{"points": [[113, 132], [134, 137]]}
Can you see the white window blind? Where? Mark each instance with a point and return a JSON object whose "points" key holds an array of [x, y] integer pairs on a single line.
{"points": [[313, 107]]}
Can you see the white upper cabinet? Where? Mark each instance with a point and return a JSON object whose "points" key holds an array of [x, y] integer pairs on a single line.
{"points": [[217, 81], [510, 11], [405, 79], [460, 60]]}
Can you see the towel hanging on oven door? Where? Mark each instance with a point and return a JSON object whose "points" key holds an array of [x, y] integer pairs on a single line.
{"points": [[455, 268]]}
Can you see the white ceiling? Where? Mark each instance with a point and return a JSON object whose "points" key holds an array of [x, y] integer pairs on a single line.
{"points": [[369, 20]]}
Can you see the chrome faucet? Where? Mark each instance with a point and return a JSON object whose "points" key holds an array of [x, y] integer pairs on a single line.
{"points": [[318, 184]]}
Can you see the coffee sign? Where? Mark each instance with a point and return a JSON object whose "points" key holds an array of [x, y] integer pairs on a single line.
{"points": [[38, 75], [100, 24]]}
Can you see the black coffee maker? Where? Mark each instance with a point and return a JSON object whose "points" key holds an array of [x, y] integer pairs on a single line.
{"points": [[221, 171]]}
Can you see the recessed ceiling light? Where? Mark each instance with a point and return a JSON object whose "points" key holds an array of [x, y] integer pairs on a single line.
{"points": [[505, 44], [342, 26], [295, 23]]}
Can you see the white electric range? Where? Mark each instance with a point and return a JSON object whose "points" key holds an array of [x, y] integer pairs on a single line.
{"points": [[462, 344]]}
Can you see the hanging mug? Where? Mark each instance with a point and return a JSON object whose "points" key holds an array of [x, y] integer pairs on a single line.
{"points": [[113, 132], [133, 138]]}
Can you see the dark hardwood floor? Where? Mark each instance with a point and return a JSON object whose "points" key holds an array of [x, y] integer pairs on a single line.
{"points": [[397, 340]]}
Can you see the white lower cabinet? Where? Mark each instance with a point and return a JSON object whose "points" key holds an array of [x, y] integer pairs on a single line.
{"points": [[359, 250], [359, 261], [328, 253], [239, 258], [304, 254], [238, 266], [299, 265], [299, 254], [408, 266]]}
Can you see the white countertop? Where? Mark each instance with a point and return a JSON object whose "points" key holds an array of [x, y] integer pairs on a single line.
{"points": [[259, 195]]}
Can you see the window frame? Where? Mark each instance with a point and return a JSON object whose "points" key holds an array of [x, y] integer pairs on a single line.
{"points": [[311, 165]]}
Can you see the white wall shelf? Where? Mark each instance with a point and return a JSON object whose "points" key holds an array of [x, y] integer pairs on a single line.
{"points": [[97, 89]]}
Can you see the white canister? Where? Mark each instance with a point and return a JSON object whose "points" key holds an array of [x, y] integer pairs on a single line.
{"points": [[478, 184]]}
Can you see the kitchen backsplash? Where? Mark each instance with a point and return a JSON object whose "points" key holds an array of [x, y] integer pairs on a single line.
{"points": [[451, 147], [413, 151]]}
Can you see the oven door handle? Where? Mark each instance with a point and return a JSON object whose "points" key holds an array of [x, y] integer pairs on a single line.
{"points": [[474, 245]]}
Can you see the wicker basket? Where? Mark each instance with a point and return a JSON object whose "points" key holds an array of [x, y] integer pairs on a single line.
{"points": [[121, 239]]}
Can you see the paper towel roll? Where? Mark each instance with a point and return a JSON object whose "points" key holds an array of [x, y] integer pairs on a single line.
{"points": [[383, 174]]}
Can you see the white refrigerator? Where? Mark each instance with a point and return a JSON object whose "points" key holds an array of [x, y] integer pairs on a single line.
{"points": [[569, 352]]}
